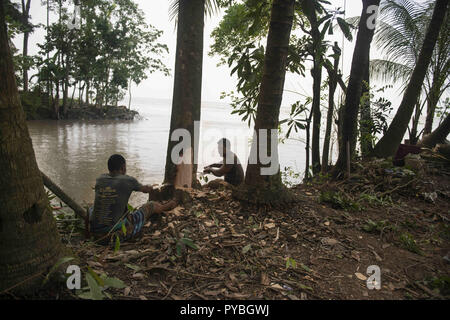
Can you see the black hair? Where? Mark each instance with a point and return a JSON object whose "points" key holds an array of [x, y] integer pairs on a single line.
{"points": [[224, 142], [115, 162]]}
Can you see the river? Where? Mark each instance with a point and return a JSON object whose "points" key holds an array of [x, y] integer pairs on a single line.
{"points": [[74, 153]]}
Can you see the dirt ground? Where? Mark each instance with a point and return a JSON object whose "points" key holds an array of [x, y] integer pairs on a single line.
{"points": [[318, 248]]}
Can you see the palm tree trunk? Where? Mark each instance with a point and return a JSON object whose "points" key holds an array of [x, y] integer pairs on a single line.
{"points": [[186, 104], [29, 241], [349, 111], [259, 188], [388, 144]]}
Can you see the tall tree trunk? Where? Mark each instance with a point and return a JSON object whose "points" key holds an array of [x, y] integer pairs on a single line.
{"points": [[260, 188], [388, 144], [349, 112], [332, 89], [186, 104], [26, 35], [73, 95], [29, 241], [87, 92], [437, 136], [65, 83], [310, 12], [366, 123]]}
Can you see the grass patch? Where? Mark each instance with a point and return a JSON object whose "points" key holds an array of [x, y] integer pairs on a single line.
{"points": [[338, 200], [407, 242], [440, 283], [378, 227]]}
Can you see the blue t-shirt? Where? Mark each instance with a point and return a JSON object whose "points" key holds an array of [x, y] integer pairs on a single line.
{"points": [[111, 200]]}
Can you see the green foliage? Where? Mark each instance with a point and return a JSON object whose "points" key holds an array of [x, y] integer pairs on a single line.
{"points": [[113, 48], [298, 118], [290, 177], [407, 241], [33, 106], [373, 199], [443, 111], [183, 242], [291, 263], [97, 286], [60, 262], [133, 267], [441, 283], [338, 200], [203, 177], [400, 36], [246, 248], [378, 227], [15, 21], [117, 244], [380, 109], [130, 208], [238, 41]]}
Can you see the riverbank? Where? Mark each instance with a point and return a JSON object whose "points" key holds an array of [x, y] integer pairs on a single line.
{"points": [[214, 247], [36, 108]]}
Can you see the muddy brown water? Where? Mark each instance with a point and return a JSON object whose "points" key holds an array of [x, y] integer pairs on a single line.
{"points": [[74, 153]]}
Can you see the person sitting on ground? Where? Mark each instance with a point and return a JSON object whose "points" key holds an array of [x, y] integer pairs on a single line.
{"points": [[110, 215], [230, 167]]}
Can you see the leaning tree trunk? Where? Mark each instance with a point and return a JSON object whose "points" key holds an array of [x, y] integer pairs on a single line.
{"points": [[261, 187], [352, 99], [437, 136], [29, 241], [332, 89], [187, 90], [388, 144]]}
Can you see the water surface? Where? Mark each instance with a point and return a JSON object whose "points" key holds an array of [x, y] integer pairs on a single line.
{"points": [[74, 153]]}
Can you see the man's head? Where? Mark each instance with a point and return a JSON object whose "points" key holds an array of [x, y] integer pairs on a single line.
{"points": [[224, 146], [117, 164]]}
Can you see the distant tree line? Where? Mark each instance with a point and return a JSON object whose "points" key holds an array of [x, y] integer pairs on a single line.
{"points": [[90, 56]]}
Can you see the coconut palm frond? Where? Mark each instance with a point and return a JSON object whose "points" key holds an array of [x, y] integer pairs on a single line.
{"points": [[401, 29], [386, 70], [395, 44], [173, 10], [211, 8]]}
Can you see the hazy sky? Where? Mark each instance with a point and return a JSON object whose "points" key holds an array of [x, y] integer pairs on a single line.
{"points": [[215, 79]]}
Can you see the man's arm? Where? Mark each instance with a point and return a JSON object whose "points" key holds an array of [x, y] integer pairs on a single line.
{"points": [[146, 189], [223, 170], [215, 165]]}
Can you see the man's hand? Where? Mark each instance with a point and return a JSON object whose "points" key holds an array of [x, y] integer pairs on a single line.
{"points": [[207, 169], [146, 189]]}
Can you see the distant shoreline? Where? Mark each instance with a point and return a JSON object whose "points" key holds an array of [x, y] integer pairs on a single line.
{"points": [[37, 109]]}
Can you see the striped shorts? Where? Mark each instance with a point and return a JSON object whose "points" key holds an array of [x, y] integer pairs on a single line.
{"points": [[130, 227]]}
